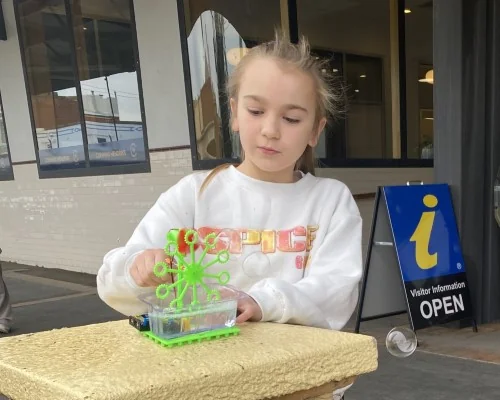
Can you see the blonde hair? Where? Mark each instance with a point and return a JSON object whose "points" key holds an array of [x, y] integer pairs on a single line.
{"points": [[296, 56]]}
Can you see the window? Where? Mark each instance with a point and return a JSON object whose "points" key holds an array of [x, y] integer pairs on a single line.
{"points": [[346, 136], [419, 79], [358, 36], [5, 162], [374, 47], [216, 36], [83, 84]]}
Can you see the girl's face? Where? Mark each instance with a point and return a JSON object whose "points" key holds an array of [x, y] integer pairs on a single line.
{"points": [[275, 117]]}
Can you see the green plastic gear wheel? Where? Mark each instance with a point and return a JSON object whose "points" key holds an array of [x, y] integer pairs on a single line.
{"points": [[190, 274]]}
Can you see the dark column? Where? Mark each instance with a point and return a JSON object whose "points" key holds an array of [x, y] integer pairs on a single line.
{"points": [[467, 134]]}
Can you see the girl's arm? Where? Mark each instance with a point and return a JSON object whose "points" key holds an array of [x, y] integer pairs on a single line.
{"points": [[173, 209], [327, 295]]}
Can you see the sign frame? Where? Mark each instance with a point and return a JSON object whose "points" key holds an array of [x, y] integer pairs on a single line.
{"points": [[382, 258]]}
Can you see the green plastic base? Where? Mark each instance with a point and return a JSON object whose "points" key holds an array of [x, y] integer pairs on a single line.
{"points": [[194, 338]]}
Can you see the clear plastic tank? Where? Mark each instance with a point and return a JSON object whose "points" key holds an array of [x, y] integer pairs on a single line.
{"points": [[167, 320]]}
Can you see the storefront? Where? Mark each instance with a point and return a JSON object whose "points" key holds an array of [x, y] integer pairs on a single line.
{"points": [[107, 103]]}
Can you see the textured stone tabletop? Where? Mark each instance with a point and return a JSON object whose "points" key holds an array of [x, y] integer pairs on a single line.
{"points": [[113, 361]]}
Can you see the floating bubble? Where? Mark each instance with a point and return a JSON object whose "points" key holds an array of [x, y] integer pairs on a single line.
{"points": [[225, 235], [401, 342], [223, 242], [256, 265]]}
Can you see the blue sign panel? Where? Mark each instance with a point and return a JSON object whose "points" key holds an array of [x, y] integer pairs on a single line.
{"points": [[425, 232], [428, 249]]}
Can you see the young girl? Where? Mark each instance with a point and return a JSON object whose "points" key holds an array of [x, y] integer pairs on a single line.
{"points": [[294, 239]]}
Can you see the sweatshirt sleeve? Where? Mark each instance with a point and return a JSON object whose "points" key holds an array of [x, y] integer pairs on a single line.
{"points": [[327, 295], [173, 209]]}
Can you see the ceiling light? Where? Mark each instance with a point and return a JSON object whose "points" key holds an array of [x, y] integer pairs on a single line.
{"points": [[407, 11], [429, 77], [362, 76]]}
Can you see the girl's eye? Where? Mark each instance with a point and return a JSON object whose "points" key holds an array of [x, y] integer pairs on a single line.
{"points": [[255, 112], [292, 120]]}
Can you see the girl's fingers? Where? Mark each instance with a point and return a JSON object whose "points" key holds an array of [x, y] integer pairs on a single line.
{"points": [[143, 269], [246, 314], [167, 277], [147, 272], [141, 275], [134, 273]]}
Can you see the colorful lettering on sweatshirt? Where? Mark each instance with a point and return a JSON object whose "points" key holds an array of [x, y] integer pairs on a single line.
{"points": [[295, 240]]}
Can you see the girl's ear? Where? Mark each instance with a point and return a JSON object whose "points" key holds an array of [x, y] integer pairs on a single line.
{"points": [[234, 115], [317, 133]]}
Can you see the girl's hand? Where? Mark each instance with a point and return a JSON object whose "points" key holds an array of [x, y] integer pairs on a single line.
{"points": [[142, 270], [248, 310]]}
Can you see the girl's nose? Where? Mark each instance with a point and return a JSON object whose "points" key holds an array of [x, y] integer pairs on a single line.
{"points": [[270, 127]]}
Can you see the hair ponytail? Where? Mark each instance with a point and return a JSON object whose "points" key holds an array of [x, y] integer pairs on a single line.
{"points": [[307, 162], [212, 175]]}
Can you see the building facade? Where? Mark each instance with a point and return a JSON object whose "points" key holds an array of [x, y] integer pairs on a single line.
{"points": [[107, 103]]}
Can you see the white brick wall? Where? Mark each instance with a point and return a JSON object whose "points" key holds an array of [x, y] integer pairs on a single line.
{"points": [[70, 223]]}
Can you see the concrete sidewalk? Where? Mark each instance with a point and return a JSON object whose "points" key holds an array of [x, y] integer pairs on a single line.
{"points": [[449, 364], [44, 299], [452, 342]]}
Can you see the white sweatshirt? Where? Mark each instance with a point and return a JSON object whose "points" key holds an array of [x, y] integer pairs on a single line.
{"points": [[275, 230]]}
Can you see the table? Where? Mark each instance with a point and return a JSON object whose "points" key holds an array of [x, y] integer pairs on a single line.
{"points": [[114, 361]]}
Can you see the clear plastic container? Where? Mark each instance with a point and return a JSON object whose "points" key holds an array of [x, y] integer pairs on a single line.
{"points": [[167, 321]]}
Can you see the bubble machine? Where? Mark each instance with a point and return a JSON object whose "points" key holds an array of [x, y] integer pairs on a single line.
{"points": [[188, 308]]}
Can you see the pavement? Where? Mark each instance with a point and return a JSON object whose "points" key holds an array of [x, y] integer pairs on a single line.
{"points": [[450, 363]]}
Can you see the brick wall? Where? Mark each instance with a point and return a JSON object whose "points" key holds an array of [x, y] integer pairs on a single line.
{"points": [[71, 223]]}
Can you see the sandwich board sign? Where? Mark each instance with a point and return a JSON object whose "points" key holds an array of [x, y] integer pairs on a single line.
{"points": [[414, 262]]}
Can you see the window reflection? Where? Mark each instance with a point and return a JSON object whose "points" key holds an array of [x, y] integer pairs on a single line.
{"points": [[107, 70], [219, 35], [356, 38], [367, 123], [49, 66], [83, 82], [419, 79], [209, 66], [332, 142]]}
